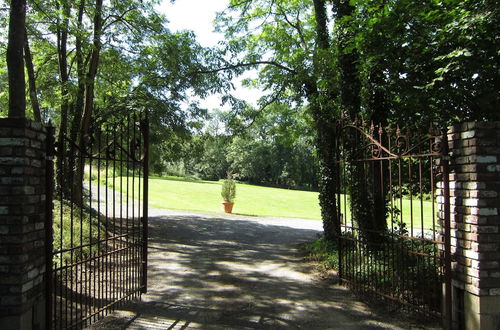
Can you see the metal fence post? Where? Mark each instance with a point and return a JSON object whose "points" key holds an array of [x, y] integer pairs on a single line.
{"points": [[49, 233], [447, 310], [145, 205], [338, 224]]}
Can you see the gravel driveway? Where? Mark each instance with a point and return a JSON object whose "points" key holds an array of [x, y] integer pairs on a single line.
{"points": [[235, 272]]}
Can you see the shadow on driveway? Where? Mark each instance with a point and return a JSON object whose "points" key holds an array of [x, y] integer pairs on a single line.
{"points": [[216, 273]]}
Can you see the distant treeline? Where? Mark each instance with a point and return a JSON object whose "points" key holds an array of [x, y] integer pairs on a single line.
{"points": [[275, 149]]}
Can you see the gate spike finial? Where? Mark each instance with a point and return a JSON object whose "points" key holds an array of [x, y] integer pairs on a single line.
{"points": [[372, 127], [398, 131], [380, 129]]}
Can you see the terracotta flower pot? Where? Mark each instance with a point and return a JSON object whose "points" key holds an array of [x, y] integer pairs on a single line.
{"points": [[228, 207]]}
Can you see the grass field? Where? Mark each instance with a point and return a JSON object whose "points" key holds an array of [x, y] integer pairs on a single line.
{"points": [[196, 195], [189, 194], [204, 196]]}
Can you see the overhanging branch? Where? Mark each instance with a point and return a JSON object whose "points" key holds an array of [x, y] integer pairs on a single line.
{"points": [[242, 65]]}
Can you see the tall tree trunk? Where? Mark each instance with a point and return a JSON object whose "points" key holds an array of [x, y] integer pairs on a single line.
{"points": [[378, 107], [322, 36], [324, 118], [28, 60], [349, 79], [62, 40], [362, 198], [80, 69], [78, 105], [15, 65], [325, 142], [88, 107], [92, 71]]}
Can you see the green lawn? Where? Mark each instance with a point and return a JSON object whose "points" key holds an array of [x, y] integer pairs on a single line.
{"points": [[204, 196], [196, 195], [412, 212]]}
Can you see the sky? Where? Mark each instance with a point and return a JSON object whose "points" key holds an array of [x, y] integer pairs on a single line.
{"points": [[198, 16]]}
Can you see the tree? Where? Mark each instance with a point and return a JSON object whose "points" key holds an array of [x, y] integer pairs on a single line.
{"points": [[290, 41], [388, 61], [277, 149], [368, 210], [15, 63], [35, 105], [426, 62], [415, 67], [110, 59]]}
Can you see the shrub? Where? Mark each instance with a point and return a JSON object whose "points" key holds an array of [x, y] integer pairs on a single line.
{"points": [[228, 192], [324, 252]]}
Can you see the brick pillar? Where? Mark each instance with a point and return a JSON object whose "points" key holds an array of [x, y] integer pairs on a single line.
{"points": [[22, 217], [475, 224]]}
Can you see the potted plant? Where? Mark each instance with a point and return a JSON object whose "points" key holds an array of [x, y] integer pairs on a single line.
{"points": [[228, 193]]}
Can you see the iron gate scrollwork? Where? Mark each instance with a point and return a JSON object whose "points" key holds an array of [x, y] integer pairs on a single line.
{"points": [[97, 232], [394, 236]]}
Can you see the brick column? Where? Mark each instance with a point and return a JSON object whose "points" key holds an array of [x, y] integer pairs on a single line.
{"points": [[22, 217], [475, 224]]}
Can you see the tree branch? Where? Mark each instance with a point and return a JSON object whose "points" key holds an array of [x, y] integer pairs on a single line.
{"points": [[273, 99], [294, 26], [241, 65]]}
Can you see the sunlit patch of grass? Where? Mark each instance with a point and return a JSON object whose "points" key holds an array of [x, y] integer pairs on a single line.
{"points": [[415, 213], [204, 196], [198, 195], [190, 194]]}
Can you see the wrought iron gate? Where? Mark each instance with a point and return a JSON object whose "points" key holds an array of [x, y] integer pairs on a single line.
{"points": [[97, 232], [394, 234]]}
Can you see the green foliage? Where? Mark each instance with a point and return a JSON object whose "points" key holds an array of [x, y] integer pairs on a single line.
{"points": [[398, 267], [274, 150], [438, 60], [407, 62], [207, 156], [212, 161], [324, 252], [280, 32], [142, 65], [228, 191], [267, 148], [75, 231]]}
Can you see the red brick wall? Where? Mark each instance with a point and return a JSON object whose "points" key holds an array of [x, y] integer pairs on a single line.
{"points": [[475, 206]]}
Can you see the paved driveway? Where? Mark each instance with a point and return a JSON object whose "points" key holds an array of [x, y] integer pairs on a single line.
{"points": [[238, 273]]}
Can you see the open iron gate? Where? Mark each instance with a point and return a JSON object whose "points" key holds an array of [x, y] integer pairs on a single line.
{"points": [[393, 211], [98, 221]]}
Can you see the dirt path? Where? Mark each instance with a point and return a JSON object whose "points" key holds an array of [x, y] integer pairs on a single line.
{"points": [[238, 273]]}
